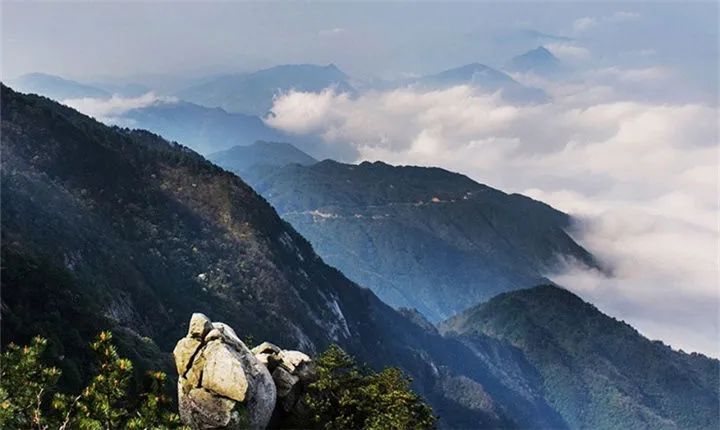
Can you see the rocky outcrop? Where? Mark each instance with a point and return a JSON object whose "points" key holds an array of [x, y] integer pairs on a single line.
{"points": [[292, 372], [224, 385], [221, 384]]}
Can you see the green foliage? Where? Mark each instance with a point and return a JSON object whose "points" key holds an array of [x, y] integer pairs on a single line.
{"points": [[598, 372], [387, 218], [345, 396], [102, 402], [26, 385], [249, 340], [155, 409]]}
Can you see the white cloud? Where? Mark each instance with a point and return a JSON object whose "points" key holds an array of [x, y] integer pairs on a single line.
{"points": [[623, 16], [332, 32], [610, 84], [303, 113], [568, 51], [111, 110], [641, 75], [642, 176], [584, 24]]}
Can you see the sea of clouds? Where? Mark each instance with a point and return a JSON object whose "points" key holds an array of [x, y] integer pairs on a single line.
{"points": [[618, 148], [111, 110], [638, 172]]}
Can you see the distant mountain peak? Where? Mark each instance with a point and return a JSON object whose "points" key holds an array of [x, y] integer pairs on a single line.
{"points": [[334, 67], [487, 78], [578, 349], [473, 66], [253, 93], [240, 159], [468, 70], [541, 51], [55, 87], [376, 163], [203, 129], [539, 60]]}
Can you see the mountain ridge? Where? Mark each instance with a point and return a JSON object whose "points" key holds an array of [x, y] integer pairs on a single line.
{"points": [[123, 230], [538, 60], [597, 371], [432, 240], [239, 158], [253, 93], [111, 228], [203, 129], [57, 87], [485, 78]]}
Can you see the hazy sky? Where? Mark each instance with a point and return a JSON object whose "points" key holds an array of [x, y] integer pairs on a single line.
{"points": [[628, 144], [79, 39]]}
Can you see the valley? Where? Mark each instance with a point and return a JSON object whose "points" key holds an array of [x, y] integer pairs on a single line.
{"points": [[119, 229]]}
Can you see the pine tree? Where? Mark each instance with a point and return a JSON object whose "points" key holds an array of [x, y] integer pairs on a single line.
{"points": [[346, 396], [27, 385]]}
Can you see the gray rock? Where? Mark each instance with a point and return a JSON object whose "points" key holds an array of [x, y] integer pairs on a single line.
{"points": [[230, 336], [268, 354], [210, 410], [292, 359], [307, 372], [266, 348], [284, 381], [213, 334], [224, 385], [221, 384], [264, 395], [292, 372], [223, 372], [199, 326], [184, 352]]}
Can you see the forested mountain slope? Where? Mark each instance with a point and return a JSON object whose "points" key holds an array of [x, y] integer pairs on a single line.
{"points": [[598, 372], [429, 239], [109, 228]]}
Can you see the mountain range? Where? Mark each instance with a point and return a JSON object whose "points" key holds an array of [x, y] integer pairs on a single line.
{"points": [[430, 239], [56, 88], [253, 93], [260, 155], [203, 129], [484, 78], [539, 60], [219, 112], [597, 372], [111, 228]]}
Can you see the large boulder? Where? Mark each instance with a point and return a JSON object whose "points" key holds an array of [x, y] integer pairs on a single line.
{"points": [[292, 372], [221, 384]]}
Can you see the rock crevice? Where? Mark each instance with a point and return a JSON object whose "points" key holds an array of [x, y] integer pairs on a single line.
{"points": [[222, 384]]}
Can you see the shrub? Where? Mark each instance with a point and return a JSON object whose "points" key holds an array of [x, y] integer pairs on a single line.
{"points": [[27, 384], [346, 396], [343, 396]]}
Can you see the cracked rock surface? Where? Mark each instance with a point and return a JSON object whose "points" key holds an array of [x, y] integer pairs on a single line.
{"points": [[221, 384], [292, 372]]}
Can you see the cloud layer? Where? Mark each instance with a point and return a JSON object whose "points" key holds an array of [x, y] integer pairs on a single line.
{"points": [[110, 110], [640, 175]]}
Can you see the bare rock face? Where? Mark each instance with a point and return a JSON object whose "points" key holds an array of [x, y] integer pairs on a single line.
{"points": [[292, 372], [221, 384]]}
